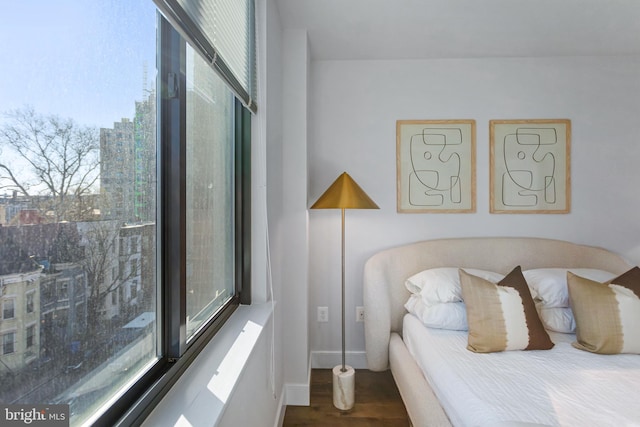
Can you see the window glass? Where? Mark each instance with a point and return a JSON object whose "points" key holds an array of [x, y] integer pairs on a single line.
{"points": [[77, 200], [8, 311], [63, 290], [210, 192], [7, 343], [30, 302], [31, 332]]}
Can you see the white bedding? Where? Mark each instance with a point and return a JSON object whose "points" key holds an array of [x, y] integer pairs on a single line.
{"points": [[558, 387]]}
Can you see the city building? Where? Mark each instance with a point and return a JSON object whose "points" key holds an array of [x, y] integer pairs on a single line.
{"points": [[128, 167], [144, 158], [117, 170]]}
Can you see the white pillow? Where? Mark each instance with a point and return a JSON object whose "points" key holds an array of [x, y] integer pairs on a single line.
{"points": [[549, 285], [557, 319], [441, 316], [440, 285]]}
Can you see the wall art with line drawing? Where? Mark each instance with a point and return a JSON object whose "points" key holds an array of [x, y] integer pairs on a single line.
{"points": [[530, 166], [435, 162]]}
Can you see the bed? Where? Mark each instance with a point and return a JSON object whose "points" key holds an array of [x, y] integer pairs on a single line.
{"points": [[422, 359]]}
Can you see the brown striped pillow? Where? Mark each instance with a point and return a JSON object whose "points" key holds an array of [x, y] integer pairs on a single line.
{"points": [[607, 314], [502, 316]]}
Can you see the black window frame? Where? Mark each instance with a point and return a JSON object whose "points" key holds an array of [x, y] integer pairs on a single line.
{"points": [[175, 354]]}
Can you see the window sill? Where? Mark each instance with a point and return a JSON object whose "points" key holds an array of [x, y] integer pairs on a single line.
{"points": [[203, 392]]}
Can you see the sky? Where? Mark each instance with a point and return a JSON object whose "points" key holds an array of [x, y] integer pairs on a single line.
{"points": [[78, 59]]}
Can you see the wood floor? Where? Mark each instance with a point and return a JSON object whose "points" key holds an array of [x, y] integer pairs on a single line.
{"points": [[378, 403]]}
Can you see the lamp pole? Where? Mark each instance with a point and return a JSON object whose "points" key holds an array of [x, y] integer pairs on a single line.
{"points": [[344, 369]]}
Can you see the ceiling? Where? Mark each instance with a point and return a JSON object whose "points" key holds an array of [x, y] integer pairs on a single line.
{"points": [[412, 29]]}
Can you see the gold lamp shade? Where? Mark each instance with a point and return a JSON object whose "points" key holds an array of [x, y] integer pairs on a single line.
{"points": [[344, 193]]}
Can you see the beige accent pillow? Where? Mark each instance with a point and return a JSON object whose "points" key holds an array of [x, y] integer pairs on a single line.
{"points": [[607, 314], [502, 316]]}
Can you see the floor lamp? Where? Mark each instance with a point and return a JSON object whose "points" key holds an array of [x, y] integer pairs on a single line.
{"points": [[343, 194]]}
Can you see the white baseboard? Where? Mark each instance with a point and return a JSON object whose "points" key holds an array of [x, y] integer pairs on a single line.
{"points": [[298, 394], [329, 359], [282, 407]]}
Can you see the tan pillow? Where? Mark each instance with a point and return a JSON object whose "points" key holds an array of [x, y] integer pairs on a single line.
{"points": [[607, 314], [502, 316]]}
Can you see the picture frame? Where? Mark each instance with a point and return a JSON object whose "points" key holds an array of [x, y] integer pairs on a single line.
{"points": [[436, 166], [530, 166]]}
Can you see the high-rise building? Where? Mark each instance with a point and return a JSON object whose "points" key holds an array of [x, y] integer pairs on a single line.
{"points": [[117, 171], [144, 155], [127, 166]]}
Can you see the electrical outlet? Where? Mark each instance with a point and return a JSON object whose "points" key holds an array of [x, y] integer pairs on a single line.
{"points": [[359, 314], [323, 314]]}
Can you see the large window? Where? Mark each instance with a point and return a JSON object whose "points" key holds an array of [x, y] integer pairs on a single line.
{"points": [[124, 206]]}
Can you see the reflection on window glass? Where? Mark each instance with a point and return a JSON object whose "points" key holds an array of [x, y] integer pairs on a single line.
{"points": [[210, 217], [77, 179]]}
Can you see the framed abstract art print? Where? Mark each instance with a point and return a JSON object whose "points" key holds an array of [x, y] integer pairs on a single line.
{"points": [[530, 166], [435, 162]]}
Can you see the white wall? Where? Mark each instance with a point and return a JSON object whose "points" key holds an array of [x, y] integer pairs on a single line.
{"points": [[292, 225], [271, 118], [353, 109]]}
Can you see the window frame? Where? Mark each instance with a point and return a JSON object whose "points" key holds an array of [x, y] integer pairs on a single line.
{"points": [[175, 354]]}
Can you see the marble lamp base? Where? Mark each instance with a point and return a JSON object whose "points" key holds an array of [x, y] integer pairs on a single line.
{"points": [[344, 387]]}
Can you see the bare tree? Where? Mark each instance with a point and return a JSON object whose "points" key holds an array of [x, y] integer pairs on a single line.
{"points": [[54, 158]]}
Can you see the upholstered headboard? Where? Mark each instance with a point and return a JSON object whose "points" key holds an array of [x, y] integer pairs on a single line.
{"points": [[386, 272]]}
